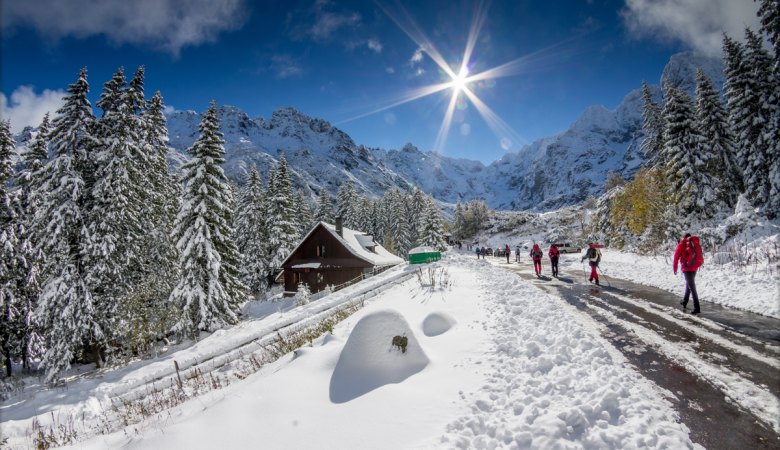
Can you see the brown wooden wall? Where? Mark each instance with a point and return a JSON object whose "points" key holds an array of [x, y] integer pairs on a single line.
{"points": [[336, 267]]}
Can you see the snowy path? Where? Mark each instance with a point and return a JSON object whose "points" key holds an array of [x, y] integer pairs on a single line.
{"points": [[722, 366]]}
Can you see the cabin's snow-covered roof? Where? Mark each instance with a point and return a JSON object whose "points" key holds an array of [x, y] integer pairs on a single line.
{"points": [[358, 243]]}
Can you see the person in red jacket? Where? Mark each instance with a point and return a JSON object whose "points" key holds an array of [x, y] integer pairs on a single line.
{"points": [[593, 255], [536, 255], [688, 254], [554, 254]]}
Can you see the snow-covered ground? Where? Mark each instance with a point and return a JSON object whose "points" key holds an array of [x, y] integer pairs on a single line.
{"points": [[491, 361]]}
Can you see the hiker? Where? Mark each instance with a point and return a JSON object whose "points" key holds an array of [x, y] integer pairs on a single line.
{"points": [[690, 256], [517, 253], [478, 252], [554, 254], [507, 250], [593, 256], [536, 255]]}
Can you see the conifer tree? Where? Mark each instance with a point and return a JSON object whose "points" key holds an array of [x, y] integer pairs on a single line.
{"points": [[66, 307], [769, 12], [712, 121], [208, 291], [346, 204], [432, 227], [117, 220], [28, 276], [458, 222], [304, 216], [686, 161], [282, 226], [653, 126], [762, 92], [417, 208], [324, 207], [399, 224], [9, 258], [251, 235]]}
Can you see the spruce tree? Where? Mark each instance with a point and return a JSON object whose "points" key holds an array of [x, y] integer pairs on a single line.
{"points": [[208, 292], [324, 207], [303, 215], [282, 226], [720, 165], [432, 227], [66, 306], [399, 223], [251, 235], [686, 160], [9, 258], [739, 107], [653, 127], [769, 12], [346, 204]]}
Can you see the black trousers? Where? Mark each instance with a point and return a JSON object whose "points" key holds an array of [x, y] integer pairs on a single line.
{"points": [[554, 263], [690, 288]]}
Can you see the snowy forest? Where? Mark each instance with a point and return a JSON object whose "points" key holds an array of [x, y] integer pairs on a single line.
{"points": [[105, 251]]}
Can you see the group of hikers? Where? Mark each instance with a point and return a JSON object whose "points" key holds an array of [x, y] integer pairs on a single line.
{"points": [[688, 255]]}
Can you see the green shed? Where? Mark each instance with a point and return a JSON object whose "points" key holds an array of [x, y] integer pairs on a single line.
{"points": [[421, 255]]}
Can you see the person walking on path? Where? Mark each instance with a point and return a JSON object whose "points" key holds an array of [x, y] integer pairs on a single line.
{"points": [[507, 251], [517, 253], [478, 252], [536, 256], [688, 253], [554, 254], [593, 255]]}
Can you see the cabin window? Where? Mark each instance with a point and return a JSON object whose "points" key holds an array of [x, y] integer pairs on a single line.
{"points": [[296, 277], [321, 251], [320, 277]]}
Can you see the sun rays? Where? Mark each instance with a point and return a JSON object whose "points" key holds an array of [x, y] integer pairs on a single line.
{"points": [[462, 84]]}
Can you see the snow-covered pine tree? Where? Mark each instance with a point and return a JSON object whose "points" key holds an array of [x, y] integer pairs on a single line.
{"points": [[28, 279], [686, 158], [66, 309], [653, 127], [324, 207], [303, 214], [417, 207], [146, 316], [346, 204], [282, 226], [208, 292], [712, 121], [117, 220], [251, 234], [769, 12], [762, 91], [458, 222], [363, 220], [9, 259], [432, 227], [398, 223]]}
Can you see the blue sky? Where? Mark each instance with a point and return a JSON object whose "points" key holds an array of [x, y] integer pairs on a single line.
{"points": [[343, 61]]}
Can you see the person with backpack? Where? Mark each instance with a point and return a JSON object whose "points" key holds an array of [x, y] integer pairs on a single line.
{"points": [[536, 256], [507, 250], [688, 253], [593, 255], [554, 254], [478, 252]]}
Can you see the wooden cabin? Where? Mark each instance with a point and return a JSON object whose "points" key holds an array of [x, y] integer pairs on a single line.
{"points": [[331, 255]]}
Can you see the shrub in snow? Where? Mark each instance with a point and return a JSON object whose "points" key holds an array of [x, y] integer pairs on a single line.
{"points": [[401, 342], [303, 296], [369, 359]]}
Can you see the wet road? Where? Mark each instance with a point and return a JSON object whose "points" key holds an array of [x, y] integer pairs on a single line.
{"points": [[721, 368]]}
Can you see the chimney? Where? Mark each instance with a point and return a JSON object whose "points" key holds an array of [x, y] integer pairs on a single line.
{"points": [[339, 228]]}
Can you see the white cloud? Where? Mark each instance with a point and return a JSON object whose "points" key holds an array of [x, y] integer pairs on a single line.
{"points": [[697, 23], [390, 70], [416, 57], [328, 23], [26, 108], [375, 45], [285, 66], [166, 24]]}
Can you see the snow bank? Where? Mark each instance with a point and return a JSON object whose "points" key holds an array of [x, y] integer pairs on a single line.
{"points": [[437, 323], [370, 359]]}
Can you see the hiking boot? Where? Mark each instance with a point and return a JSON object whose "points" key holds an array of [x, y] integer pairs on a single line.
{"points": [[696, 311], [597, 282], [684, 304]]}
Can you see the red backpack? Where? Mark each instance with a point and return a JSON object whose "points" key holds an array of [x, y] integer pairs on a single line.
{"points": [[695, 257]]}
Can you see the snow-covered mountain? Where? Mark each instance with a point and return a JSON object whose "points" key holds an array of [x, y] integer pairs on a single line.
{"points": [[552, 172]]}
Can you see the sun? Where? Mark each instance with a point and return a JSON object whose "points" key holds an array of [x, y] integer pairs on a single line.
{"points": [[460, 80]]}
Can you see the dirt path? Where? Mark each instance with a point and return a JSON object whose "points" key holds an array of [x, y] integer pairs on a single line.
{"points": [[707, 363]]}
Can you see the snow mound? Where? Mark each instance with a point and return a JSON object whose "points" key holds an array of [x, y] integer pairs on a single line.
{"points": [[437, 323], [370, 360]]}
